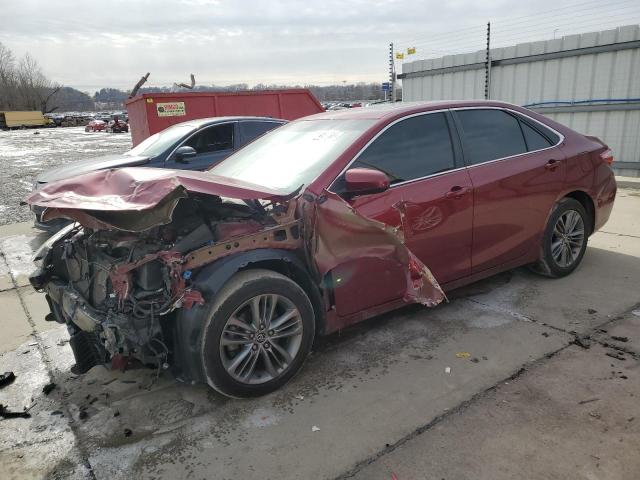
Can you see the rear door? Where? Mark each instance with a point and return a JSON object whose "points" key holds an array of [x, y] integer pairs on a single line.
{"points": [[516, 171], [212, 144], [430, 200]]}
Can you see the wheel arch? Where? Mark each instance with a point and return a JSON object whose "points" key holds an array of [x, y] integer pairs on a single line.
{"points": [[587, 202], [188, 324]]}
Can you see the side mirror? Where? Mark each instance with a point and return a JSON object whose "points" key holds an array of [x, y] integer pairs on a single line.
{"points": [[183, 153], [361, 181]]}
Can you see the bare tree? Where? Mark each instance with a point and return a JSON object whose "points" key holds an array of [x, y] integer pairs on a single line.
{"points": [[23, 85]]}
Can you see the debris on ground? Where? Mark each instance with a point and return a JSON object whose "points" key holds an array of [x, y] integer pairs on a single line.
{"points": [[582, 342], [6, 378], [299, 397], [475, 360], [545, 334], [636, 313], [315, 429], [582, 402], [447, 370], [595, 414], [616, 355], [619, 339], [128, 432], [83, 414], [4, 413], [591, 311], [463, 354], [48, 388]]}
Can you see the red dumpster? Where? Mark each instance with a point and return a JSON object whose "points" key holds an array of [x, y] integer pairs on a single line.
{"points": [[150, 113]]}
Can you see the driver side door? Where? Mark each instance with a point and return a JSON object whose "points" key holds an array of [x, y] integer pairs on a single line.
{"points": [[430, 199], [212, 145]]}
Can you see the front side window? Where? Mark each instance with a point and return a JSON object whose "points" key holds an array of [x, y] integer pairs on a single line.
{"points": [[489, 135], [413, 148], [212, 139]]}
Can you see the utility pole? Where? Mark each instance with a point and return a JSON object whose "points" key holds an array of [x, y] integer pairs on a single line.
{"points": [[392, 73], [487, 65]]}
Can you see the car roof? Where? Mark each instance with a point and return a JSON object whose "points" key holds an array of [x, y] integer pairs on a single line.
{"points": [[388, 110], [200, 122]]}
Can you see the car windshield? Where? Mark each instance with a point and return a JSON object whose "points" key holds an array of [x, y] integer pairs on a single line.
{"points": [[292, 155], [161, 141]]}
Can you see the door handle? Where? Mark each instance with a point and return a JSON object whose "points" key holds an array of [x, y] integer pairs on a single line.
{"points": [[552, 164], [457, 192]]}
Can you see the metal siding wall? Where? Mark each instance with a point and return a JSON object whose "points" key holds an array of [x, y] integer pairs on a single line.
{"points": [[594, 76]]}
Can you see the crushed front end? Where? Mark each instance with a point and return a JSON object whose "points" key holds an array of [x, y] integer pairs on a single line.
{"points": [[118, 291]]}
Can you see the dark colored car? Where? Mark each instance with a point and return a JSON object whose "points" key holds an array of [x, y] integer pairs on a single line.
{"points": [[192, 145], [117, 126], [228, 275]]}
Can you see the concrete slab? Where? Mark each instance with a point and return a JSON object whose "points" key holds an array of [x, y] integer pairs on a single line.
{"points": [[625, 219], [54, 459], [37, 308], [574, 416], [17, 251], [366, 389], [23, 228], [600, 283], [15, 326]]}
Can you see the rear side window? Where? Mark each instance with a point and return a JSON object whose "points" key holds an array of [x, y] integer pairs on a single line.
{"points": [[249, 131], [490, 134], [535, 140], [410, 149]]}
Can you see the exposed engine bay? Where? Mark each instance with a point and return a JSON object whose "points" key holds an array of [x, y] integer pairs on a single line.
{"points": [[116, 287]]}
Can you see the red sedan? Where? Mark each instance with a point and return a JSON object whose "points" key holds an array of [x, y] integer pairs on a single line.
{"points": [[319, 224], [96, 126]]}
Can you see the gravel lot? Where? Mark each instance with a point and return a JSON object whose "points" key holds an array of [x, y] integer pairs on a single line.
{"points": [[26, 153]]}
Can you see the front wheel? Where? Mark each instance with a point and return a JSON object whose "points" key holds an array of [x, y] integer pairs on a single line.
{"points": [[565, 239], [257, 335]]}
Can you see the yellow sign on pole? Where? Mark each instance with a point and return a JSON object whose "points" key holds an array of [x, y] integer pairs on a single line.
{"points": [[399, 56], [411, 50]]}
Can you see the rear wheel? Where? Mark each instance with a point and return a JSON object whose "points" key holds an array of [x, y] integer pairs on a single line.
{"points": [[258, 333], [565, 239]]}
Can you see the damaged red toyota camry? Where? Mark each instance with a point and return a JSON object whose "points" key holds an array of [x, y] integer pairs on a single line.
{"points": [[227, 276]]}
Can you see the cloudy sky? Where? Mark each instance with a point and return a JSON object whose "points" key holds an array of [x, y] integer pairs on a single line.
{"points": [[90, 44]]}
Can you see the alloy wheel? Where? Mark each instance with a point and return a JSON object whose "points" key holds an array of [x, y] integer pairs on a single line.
{"points": [[261, 339], [567, 238]]}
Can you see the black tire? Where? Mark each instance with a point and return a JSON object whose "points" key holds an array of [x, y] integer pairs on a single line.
{"points": [[241, 288], [548, 265]]}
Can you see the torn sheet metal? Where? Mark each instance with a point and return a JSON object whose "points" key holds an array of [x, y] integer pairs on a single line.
{"points": [[111, 198], [341, 235]]}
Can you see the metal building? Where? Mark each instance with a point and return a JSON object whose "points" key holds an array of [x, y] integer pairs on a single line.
{"points": [[589, 82]]}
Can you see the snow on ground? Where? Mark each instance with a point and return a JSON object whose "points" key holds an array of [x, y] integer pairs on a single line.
{"points": [[26, 153]]}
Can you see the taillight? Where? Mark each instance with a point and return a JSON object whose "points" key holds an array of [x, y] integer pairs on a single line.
{"points": [[607, 156]]}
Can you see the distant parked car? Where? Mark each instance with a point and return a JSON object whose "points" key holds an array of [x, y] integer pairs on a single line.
{"points": [[96, 126], [192, 145], [117, 126]]}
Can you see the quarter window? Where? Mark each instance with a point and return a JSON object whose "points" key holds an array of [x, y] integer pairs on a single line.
{"points": [[489, 135], [535, 140], [410, 149]]}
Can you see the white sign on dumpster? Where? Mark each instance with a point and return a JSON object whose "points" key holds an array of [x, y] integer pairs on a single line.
{"points": [[171, 109]]}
